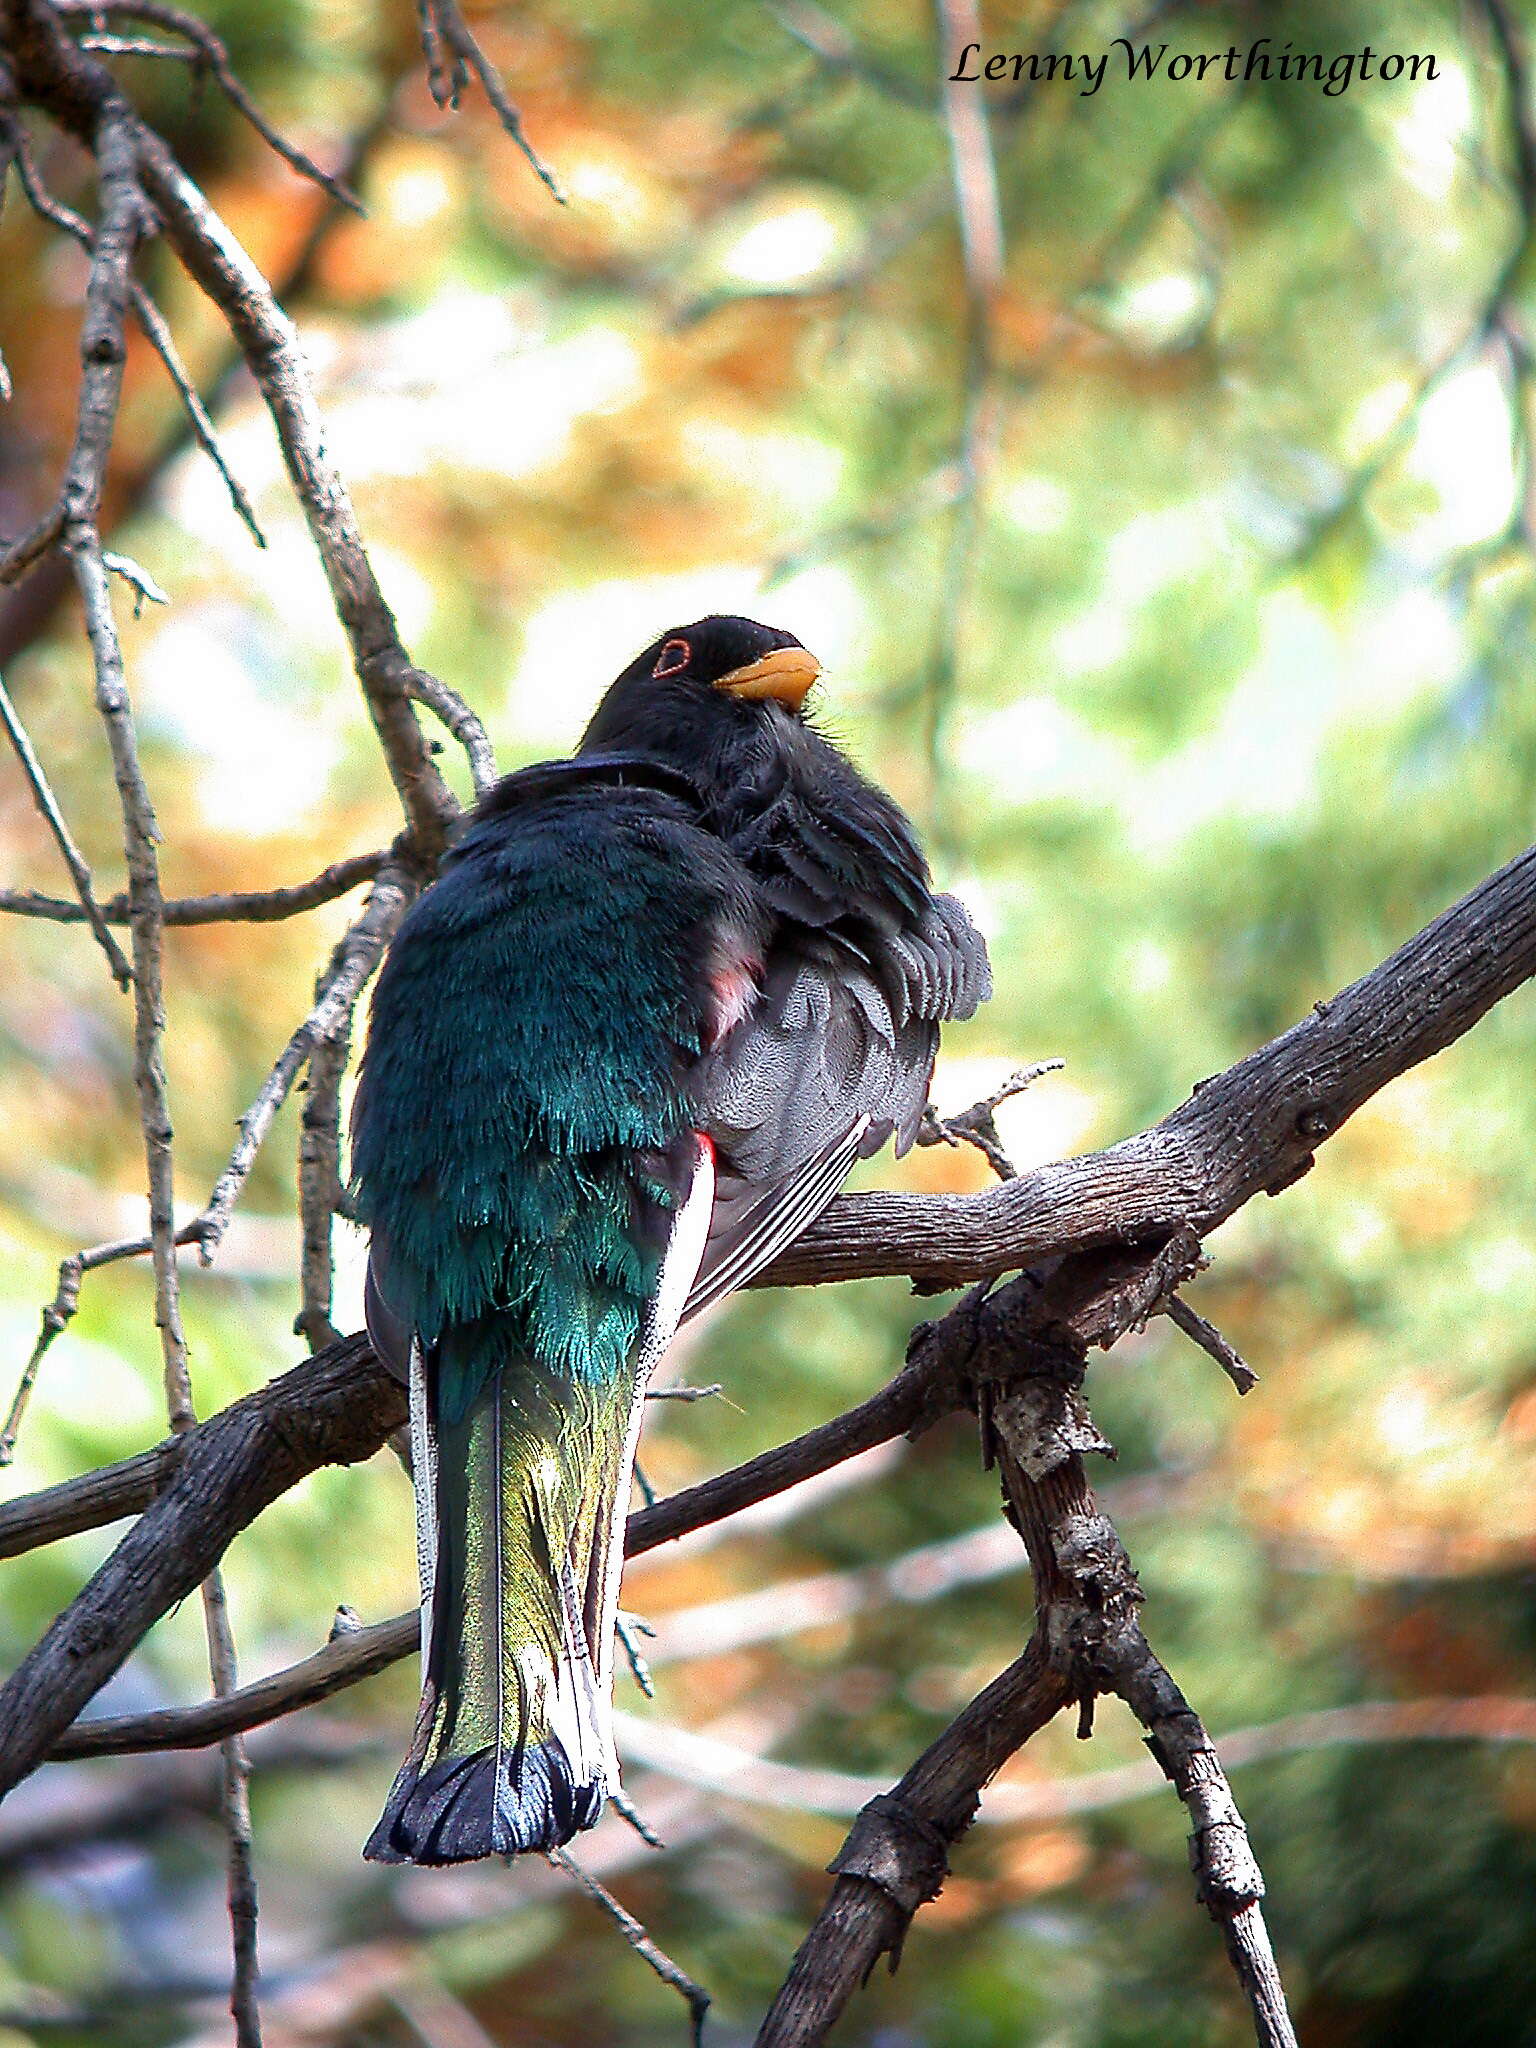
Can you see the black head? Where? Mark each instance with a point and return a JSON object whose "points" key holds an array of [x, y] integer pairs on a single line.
{"points": [[690, 675]]}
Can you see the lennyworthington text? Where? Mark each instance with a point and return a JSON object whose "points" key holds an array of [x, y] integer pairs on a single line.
{"points": [[1147, 61]]}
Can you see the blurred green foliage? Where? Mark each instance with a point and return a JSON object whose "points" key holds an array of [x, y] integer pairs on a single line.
{"points": [[1242, 698]]}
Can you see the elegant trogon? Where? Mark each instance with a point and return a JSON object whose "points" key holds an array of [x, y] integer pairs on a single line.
{"points": [[662, 997]]}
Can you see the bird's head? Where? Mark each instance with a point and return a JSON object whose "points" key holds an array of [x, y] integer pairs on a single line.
{"points": [[696, 683]]}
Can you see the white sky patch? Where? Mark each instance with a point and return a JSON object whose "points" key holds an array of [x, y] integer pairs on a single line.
{"points": [[196, 497], [790, 239], [407, 590], [1462, 449], [462, 327], [418, 193], [1405, 648], [1414, 1426], [1034, 504], [798, 471], [576, 643], [1260, 757], [261, 765], [509, 412], [1374, 418], [1141, 559], [1433, 130], [1162, 311], [1505, 1265], [981, 903], [86, 1378], [1037, 748], [1148, 967], [1092, 642], [472, 384], [599, 182], [1149, 553]]}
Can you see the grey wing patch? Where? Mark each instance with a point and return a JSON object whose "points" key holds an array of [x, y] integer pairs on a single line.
{"points": [[834, 1059], [820, 1074], [821, 1048], [939, 967]]}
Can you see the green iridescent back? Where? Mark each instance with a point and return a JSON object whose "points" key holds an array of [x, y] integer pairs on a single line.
{"points": [[523, 1082]]}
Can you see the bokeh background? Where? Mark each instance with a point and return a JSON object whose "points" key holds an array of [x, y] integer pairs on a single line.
{"points": [[1196, 630]]}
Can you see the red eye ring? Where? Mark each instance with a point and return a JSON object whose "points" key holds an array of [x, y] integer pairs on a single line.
{"points": [[673, 658]]}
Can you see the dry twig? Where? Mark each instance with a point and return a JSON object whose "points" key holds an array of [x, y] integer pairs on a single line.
{"points": [[209, 54], [694, 1995], [452, 53], [155, 328], [238, 906], [86, 908]]}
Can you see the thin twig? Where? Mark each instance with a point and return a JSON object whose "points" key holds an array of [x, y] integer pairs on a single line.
{"points": [[443, 27], [694, 1995], [59, 1312], [320, 1189], [456, 715], [239, 906], [140, 46], [212, 56], [1210, 1340], [353, 961], [20, 554], [155, 328], [80, 874], [235, 1808], [10, 136], [977, 1125]]}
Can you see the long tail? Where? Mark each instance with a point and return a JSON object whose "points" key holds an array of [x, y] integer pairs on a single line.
{"points": [[520, 1506], [520, 1512]]}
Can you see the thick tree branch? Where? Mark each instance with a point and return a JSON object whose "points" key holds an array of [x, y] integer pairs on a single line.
{"points": [[896, 1855], [335, 1409], [1254, 1128], [1024, 1365]]}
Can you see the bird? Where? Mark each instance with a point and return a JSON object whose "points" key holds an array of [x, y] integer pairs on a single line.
{"points": [[662, 996]]}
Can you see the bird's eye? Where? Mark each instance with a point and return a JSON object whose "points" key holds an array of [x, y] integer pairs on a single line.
{"points": [[673, 658]]}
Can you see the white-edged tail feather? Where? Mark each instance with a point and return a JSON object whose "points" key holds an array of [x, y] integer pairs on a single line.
{"points": [[521, 1553]]}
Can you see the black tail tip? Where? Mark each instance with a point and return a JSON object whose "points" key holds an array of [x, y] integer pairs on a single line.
{"points": [[455, 1812]]}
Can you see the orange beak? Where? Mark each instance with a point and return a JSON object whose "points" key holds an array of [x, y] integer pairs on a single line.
{"points": [[787, 674]]}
